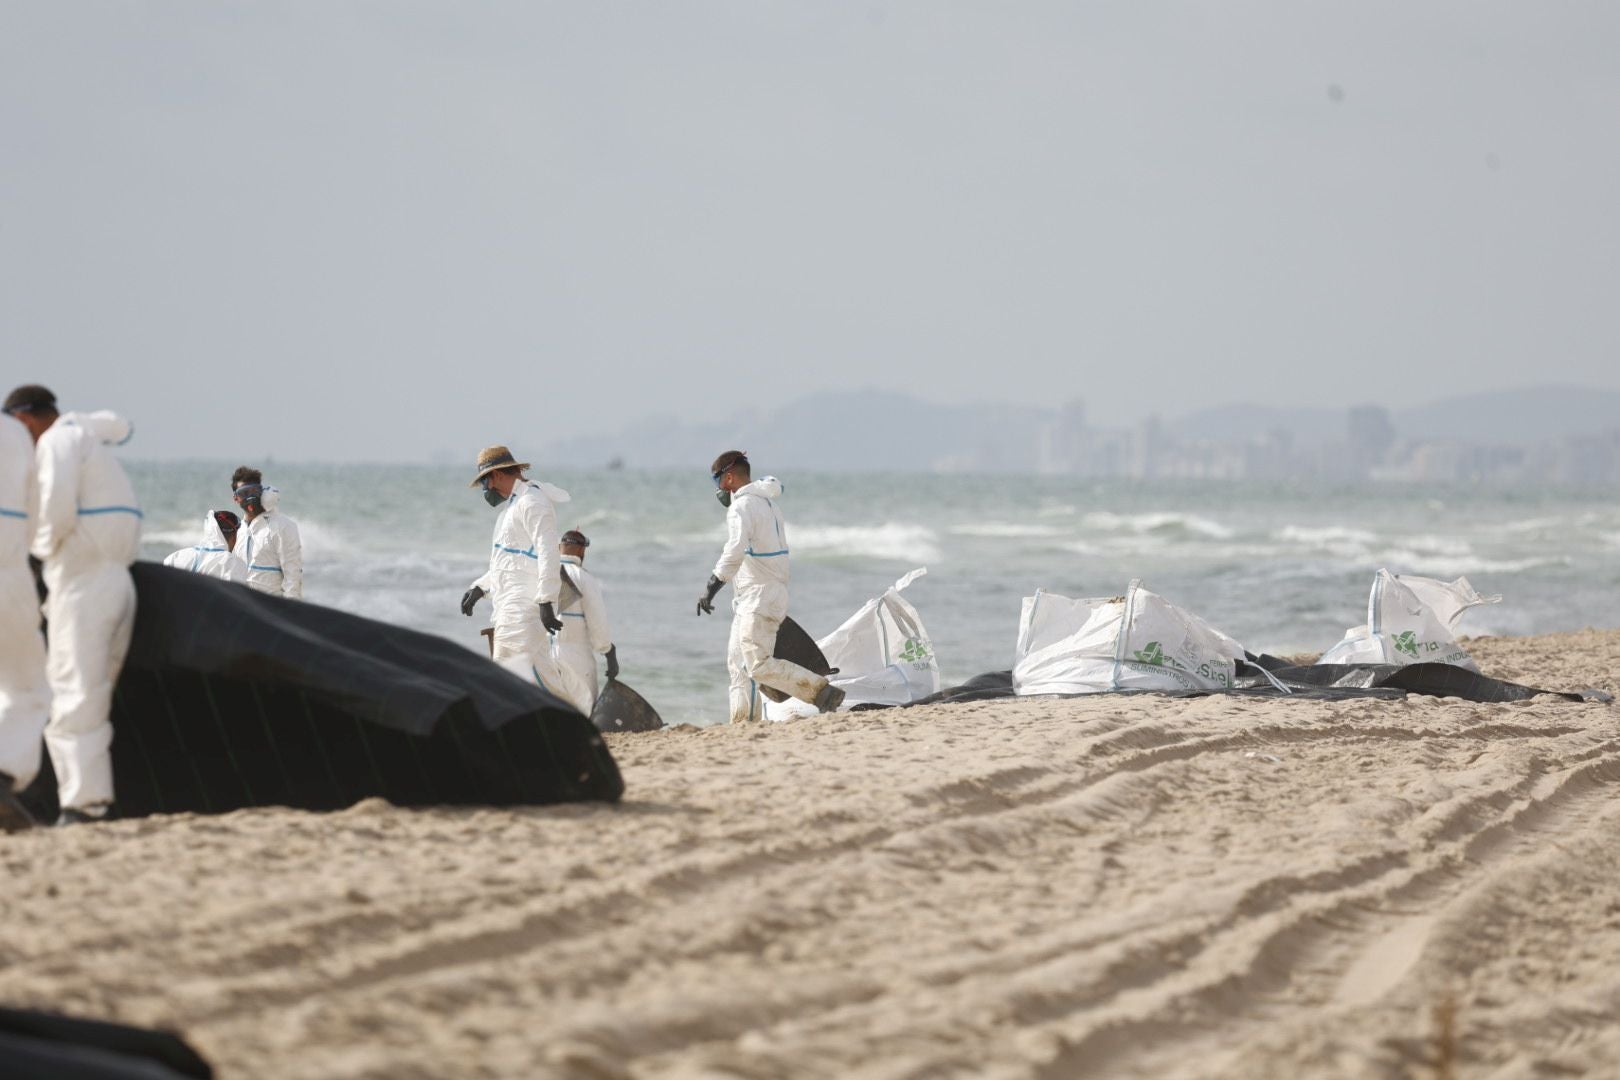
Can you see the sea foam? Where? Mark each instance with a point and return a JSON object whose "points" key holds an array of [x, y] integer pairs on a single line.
{"points": [[1159, 522], [890, 540]]}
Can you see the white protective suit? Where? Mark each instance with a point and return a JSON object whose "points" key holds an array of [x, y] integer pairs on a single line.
{"points": [[755, 560], [584, 634], [211, 557], [89, 531], [25, 698], [272, 552], [522, 575]]}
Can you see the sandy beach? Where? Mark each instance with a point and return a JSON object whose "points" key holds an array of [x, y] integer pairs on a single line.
{"points": [[1108, 886]]}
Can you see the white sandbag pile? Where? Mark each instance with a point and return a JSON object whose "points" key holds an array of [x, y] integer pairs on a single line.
{"points": [[882, 653], [1410, 620], [1139, 641]]}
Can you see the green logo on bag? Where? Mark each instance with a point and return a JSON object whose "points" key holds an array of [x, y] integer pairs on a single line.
{"points": [[1153, 654], [1406, 642], [915, 652]]}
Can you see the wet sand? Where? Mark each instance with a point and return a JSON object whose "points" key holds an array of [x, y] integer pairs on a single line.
{"points": [[1105, 886]]}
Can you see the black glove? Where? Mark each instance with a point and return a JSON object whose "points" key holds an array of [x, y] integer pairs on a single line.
{"points": [[469, 598], [613, 662], [548, 618], [706, 601]]}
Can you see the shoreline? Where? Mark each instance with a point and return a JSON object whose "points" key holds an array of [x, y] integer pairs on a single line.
{"points": [[1036, 887]]}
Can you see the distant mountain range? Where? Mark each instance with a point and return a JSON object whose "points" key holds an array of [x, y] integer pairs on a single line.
{"points": [[868, 430]]}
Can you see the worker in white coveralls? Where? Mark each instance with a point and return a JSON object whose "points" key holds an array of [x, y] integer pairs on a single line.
{"points": [[213, 557], [524, 579], [585, 626], [756, 557], [87, 534], [268, 544], [25, 698]]}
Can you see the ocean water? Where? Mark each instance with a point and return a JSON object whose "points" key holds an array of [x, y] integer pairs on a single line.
{"points": [[1281, 570]]}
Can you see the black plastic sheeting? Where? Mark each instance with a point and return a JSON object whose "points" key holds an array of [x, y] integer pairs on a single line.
{"points": [[64, 1048], [1313, 682], [1434, 680], [620, 708], [231, 698], [795, 645]]}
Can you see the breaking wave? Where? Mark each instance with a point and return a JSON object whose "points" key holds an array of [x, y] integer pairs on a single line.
{"points": [[891, 540], [1429, 554], [1006, 530], [1532, 525], [170, 539], [1167, 522], [1451, 564], [595, 517], [1326, 536]]}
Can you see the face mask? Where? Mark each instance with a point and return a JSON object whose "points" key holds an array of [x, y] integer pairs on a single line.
{"points": [[724, 497], [253, 500], [493, 497]]}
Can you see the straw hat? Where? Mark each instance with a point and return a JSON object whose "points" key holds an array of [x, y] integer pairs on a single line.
{"points": [[491, 458]]}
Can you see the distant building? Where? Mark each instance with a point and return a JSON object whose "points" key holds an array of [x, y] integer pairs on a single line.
{"points": [[1369, 434], [1061, 442], [1147, 449], [1249, 444]]}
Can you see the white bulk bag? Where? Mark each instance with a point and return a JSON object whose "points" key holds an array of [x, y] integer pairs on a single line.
{"points": [[1410, 619], [882, 654], [1136, 642]]}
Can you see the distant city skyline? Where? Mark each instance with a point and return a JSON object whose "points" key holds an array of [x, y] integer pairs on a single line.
{"points": [[1563, 435], [393, 232]]}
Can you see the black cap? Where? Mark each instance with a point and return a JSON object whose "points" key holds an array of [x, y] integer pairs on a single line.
{"points": [[227, 521], [577, 538], [30, 398]]}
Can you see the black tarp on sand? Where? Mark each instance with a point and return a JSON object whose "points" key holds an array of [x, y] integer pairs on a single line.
{"points": [[39, 1044], [230, 698], [1308, 682]]}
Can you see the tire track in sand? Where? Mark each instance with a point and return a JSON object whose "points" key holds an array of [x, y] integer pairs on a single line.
{"points": [[533, 923], [1133, 966], [1343, 948]]}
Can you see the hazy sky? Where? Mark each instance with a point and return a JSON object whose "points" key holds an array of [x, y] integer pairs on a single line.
{"points": [[389, 230]]}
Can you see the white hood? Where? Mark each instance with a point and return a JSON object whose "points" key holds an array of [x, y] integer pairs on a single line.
{"points": [[553, 492], [213, 536], [768, 487], [107, 427]]}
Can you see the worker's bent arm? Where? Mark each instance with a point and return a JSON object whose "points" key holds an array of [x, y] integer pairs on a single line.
{"points": [[292, 560], [540, 526], [56, 466], [731, 556], [596, 617]]}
